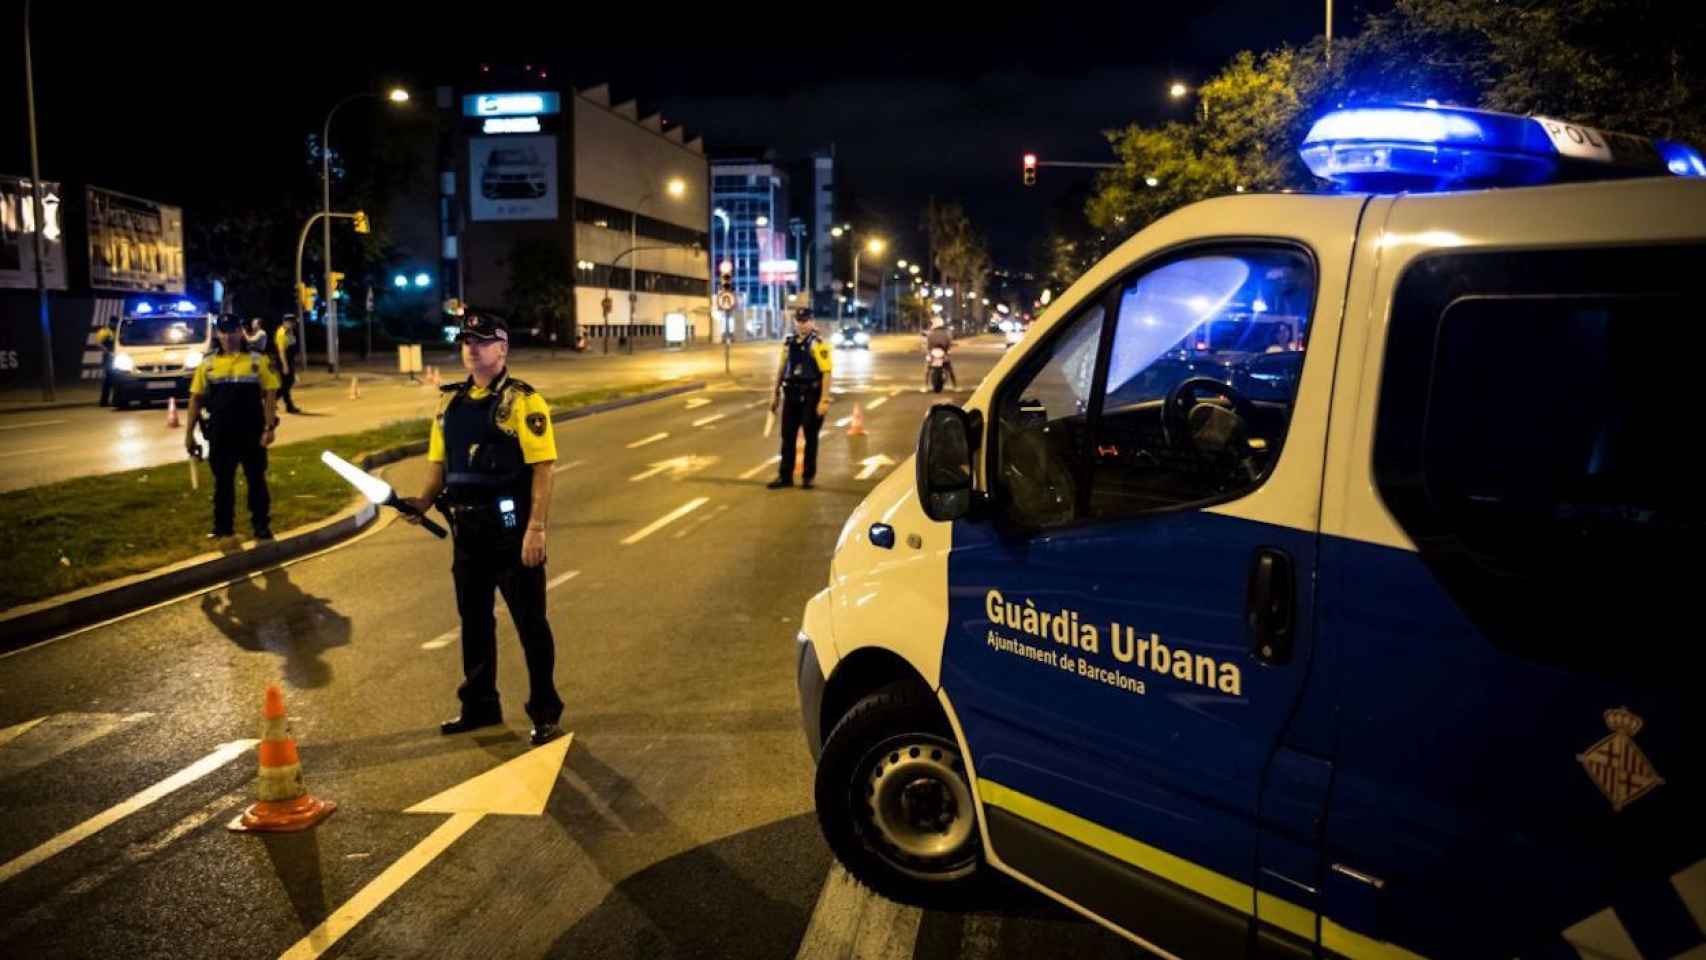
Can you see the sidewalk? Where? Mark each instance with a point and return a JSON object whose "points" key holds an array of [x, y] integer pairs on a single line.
{"points": [[538, 363]]}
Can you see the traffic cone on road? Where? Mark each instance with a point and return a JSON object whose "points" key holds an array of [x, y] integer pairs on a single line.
{"points": [[857, 427], [172, 421], [354, 387], [282, 804], [800, 452]]}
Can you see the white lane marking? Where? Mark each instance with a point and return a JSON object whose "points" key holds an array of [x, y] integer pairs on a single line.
{"points": [[57, 735], [32, 450], [100, 821], [709, 420], [698, 402], [691, 528], [665, 520], [565, 578], [567, 466], [758, 403], [443, 640], [32, 423], [654, 438], [897, 391], [755, 471], [844, 421], [874, 404], [851, 921], [1601, 935], [872, 465], [17, 730]]}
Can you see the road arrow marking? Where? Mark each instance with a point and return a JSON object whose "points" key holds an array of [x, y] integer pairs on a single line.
{"points": [[872, 465], [519, 788], [676, 465], [665, 520], [654, 438], [755, 471], [106, 818]]}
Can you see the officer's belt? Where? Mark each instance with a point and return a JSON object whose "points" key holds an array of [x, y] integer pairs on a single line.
{"points": [[235, 378], [462, 479]]}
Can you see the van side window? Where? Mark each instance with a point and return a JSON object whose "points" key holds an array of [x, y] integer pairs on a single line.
{"points": [[1042, 428], [1206, 357], [1535, 444]]}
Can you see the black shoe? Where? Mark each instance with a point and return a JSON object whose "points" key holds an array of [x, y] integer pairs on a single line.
{"points": [[220, 535], [463, 724], [805, 484], [263, 533], [779, 483], [543, 733], [292, 409]]}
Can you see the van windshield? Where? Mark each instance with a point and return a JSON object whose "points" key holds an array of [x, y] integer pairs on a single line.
{"points": [[162, 331]]}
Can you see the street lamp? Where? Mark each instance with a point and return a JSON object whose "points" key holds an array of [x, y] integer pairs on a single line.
{"points": [[1178, 90], [676, 188], [875, 247], [396, 95]]}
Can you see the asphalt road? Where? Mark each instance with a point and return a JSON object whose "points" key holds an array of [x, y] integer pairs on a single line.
{"points": [[679, 825], [41, 446]]}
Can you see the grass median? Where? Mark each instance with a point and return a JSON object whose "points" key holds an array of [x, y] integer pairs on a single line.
{"points": [[64, 536]]}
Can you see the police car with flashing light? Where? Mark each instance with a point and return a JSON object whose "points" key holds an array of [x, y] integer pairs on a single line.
{"points": [[1377, 641], [158, 345]]}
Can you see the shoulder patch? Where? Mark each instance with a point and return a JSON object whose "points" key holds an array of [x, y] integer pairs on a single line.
{"points": [[523, 386], [536, 424]]}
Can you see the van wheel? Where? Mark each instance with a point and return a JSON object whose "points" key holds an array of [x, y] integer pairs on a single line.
{"points": [[894, 802], [121, 401]]}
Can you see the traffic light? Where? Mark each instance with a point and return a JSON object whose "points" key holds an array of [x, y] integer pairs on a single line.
{"points": [[337, 280], [361, 224], [726, 281], [1030, 176], [306, 295]]}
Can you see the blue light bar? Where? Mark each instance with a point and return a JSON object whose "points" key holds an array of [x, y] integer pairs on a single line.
{"points": [[1429, 147], [142, 309], [183, 306]]}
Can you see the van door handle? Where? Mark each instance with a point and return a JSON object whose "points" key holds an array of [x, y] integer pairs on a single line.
{"points": [[1270, 606]]}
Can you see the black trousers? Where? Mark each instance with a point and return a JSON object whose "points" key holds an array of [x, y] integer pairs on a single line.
{"points": [[106, 378], [480, 567], [799, 409], [289, 380], [224, 457]]}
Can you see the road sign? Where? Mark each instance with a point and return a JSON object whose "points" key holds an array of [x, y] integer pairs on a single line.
{"points": [[725, 300]]}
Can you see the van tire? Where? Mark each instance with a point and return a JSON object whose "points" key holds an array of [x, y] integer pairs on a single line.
{"points": [[894, 751]]}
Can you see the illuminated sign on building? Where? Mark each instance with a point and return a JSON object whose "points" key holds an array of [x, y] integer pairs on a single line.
{"points": [[510, 104], [510, 125]]}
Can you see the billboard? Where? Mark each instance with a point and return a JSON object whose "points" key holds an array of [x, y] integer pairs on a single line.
{"points": [[17, 234], [512, 178], [134, 244]]}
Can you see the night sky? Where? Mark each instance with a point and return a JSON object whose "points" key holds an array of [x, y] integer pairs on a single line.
{"points": [[187, 104]]}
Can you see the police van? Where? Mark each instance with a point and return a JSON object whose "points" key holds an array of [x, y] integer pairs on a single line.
{"points": [[157, 348], [1380, 641]]}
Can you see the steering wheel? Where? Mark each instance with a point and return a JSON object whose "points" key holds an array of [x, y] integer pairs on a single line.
{"points": [[1176, 409]]}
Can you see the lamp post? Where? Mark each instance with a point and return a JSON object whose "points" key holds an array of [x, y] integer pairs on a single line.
{"points": [[728, 318], [875, 246], [677, 188], [40, 219], [397, 95]]}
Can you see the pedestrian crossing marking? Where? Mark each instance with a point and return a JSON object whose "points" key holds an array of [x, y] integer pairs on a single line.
{"points": [[55, 735]]}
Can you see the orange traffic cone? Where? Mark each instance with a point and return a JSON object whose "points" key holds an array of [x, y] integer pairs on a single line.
{"points": [[800, 452], [857, 427], [284, 804], [172, 421], [354, 387]]}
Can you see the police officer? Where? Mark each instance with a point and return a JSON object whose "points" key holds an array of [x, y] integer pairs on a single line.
{"points": [[802, 390], [238, 391], [490, 457], [107, 340], [284, 343]]}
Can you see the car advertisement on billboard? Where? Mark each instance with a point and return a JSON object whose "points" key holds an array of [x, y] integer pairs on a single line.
{"points": [[512, 178], [134, 244], [17, 235]]}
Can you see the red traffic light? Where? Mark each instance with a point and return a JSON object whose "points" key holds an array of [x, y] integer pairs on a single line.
{"points": [[1030, 160], [1030, 174], [726, 267]]}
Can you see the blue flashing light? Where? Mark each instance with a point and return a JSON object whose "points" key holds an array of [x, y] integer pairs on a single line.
{"points": [[1430, 147], [143, 309], [183, 306], [1681, 159], [423, 279], [399, 281]]}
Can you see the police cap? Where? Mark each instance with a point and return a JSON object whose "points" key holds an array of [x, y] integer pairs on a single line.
{"points": [[802, 314], [482, 326]]}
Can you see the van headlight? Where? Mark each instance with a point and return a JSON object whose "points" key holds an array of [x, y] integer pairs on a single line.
{"points": [[192, 359], [861, 338], [124, 362], [836, 340]]}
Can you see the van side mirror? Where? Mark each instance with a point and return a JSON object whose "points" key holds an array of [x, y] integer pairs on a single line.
{"points": [[944, 466]]}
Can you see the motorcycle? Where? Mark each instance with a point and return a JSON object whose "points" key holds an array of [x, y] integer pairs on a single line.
{"points": [[938, 361]]}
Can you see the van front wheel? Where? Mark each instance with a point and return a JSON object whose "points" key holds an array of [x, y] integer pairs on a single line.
{"points": [[894, 801]]}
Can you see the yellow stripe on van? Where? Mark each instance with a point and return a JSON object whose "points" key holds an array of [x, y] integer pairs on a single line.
{"points": [[1281, 913]]}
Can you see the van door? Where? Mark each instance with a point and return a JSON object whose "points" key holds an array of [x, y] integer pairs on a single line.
{"points": [[1510, 581], [1130, 623]]}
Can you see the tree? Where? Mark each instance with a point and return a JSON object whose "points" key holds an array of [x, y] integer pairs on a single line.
{"points": [[541, 286], [1637, 66], [959, 254]]}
